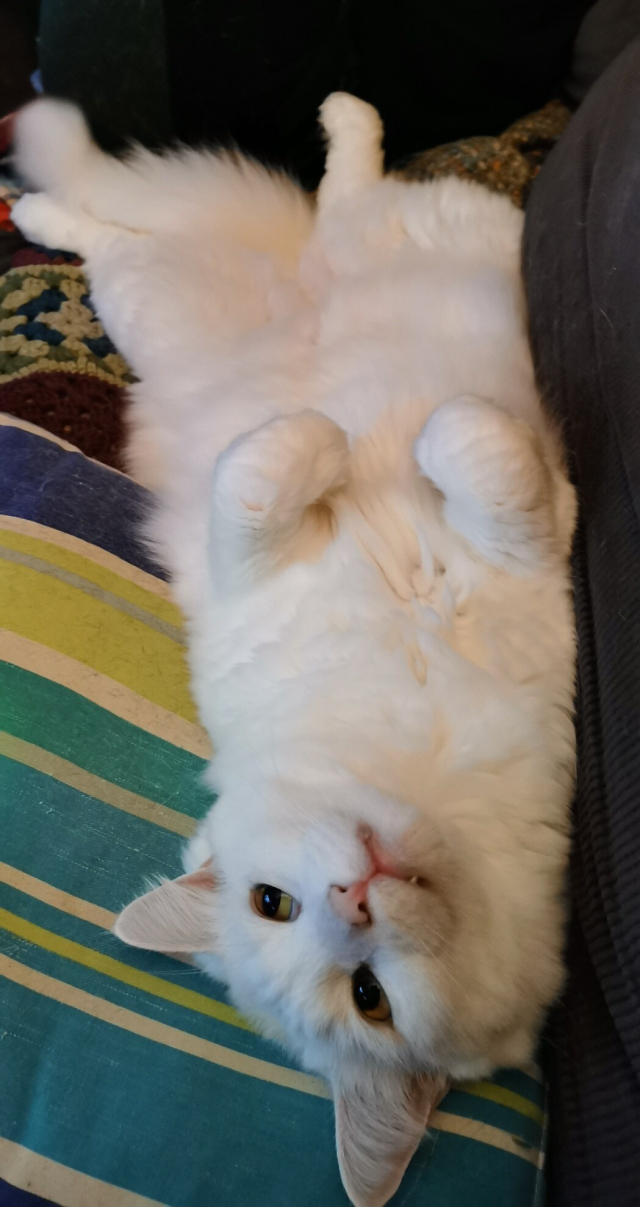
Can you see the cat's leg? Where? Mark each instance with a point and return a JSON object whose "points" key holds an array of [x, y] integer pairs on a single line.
{"points": [[354, 155], [203, 192], [54, 224], [214, 239], [498, 489], [103, 246], [159, 298], [117, 264], [271, 499]]}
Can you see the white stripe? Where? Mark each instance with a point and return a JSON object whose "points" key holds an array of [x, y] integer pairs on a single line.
{"points": [[107, 693], [160, 1033], [483, 1133], [93, 553], [27, 1170]]}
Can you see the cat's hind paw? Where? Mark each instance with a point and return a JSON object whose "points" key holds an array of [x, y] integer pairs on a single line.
{"points": [[42, 220]]}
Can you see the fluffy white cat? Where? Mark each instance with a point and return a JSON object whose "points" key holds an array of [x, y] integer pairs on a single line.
{"points": [[367, 520]]}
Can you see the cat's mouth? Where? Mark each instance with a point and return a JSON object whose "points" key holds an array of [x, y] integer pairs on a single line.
{"points": [[351, 902], [384, 863]]}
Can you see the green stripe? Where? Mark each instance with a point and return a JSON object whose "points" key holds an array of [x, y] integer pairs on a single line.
{"points": [[526, 1080], [99, 938], [184, 1131], [511, 1119], [57, 719]]}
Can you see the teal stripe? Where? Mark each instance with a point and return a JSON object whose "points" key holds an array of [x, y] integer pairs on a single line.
{"points": [[48, 715], [131, 998], [269, 1146], [469, 1106], [453, 1171], [125, 995], [47, 829], [130, 1111]]}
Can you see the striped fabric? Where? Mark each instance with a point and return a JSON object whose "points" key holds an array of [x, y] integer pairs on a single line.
{"points": [[127, 1078]]}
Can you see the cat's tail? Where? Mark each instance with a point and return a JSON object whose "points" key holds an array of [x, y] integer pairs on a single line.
{"points": [[354, 133], [181, 190]]}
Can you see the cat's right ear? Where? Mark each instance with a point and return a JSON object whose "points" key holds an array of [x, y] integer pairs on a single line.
{"points": [[177, 916]]}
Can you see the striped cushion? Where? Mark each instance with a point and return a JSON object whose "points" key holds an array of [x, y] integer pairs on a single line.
{"points": [[127, 1078]]}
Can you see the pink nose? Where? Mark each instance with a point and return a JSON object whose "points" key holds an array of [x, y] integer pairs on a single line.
{"points": [[350, 904]]}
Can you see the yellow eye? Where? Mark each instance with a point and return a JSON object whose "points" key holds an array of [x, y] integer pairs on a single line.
{"points": [[272, 903], [369, 996]]}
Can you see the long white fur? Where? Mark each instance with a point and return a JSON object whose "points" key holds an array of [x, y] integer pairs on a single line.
{"points": [[367, 520]]}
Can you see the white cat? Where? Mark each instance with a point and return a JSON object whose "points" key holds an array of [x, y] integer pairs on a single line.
{"points": [[367, 520]]}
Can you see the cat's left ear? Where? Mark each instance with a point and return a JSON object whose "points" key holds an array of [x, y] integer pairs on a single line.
{"points": [[380, 1121], [177, 916]]}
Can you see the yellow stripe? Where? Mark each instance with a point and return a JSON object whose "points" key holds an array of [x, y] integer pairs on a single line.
{"points": [[484, 1133], [92, 553], [497, 1093], [93, 572], [112, 642], [76, 906], [68, 949], [93, 785], [161, 1033], [106, 692], [27, 1170], [45, 567]]}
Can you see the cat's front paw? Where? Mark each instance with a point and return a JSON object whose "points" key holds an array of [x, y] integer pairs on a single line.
{"points": [[283, 466], [266, 488], [491, 470], [471, 447]]}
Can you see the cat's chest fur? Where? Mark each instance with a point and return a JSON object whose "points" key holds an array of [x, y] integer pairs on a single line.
{"points": [[398, 632], [423, 652]]}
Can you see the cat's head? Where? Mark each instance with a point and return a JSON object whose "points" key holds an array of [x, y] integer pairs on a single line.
{"points": [[366, 938]]}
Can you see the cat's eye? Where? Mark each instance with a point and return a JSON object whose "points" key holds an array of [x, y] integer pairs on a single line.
{"points": [[273, 903], [369, 996]]}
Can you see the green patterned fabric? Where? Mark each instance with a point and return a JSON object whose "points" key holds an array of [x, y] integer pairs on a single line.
{"points": [[127, 1078], [47, 323]]}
